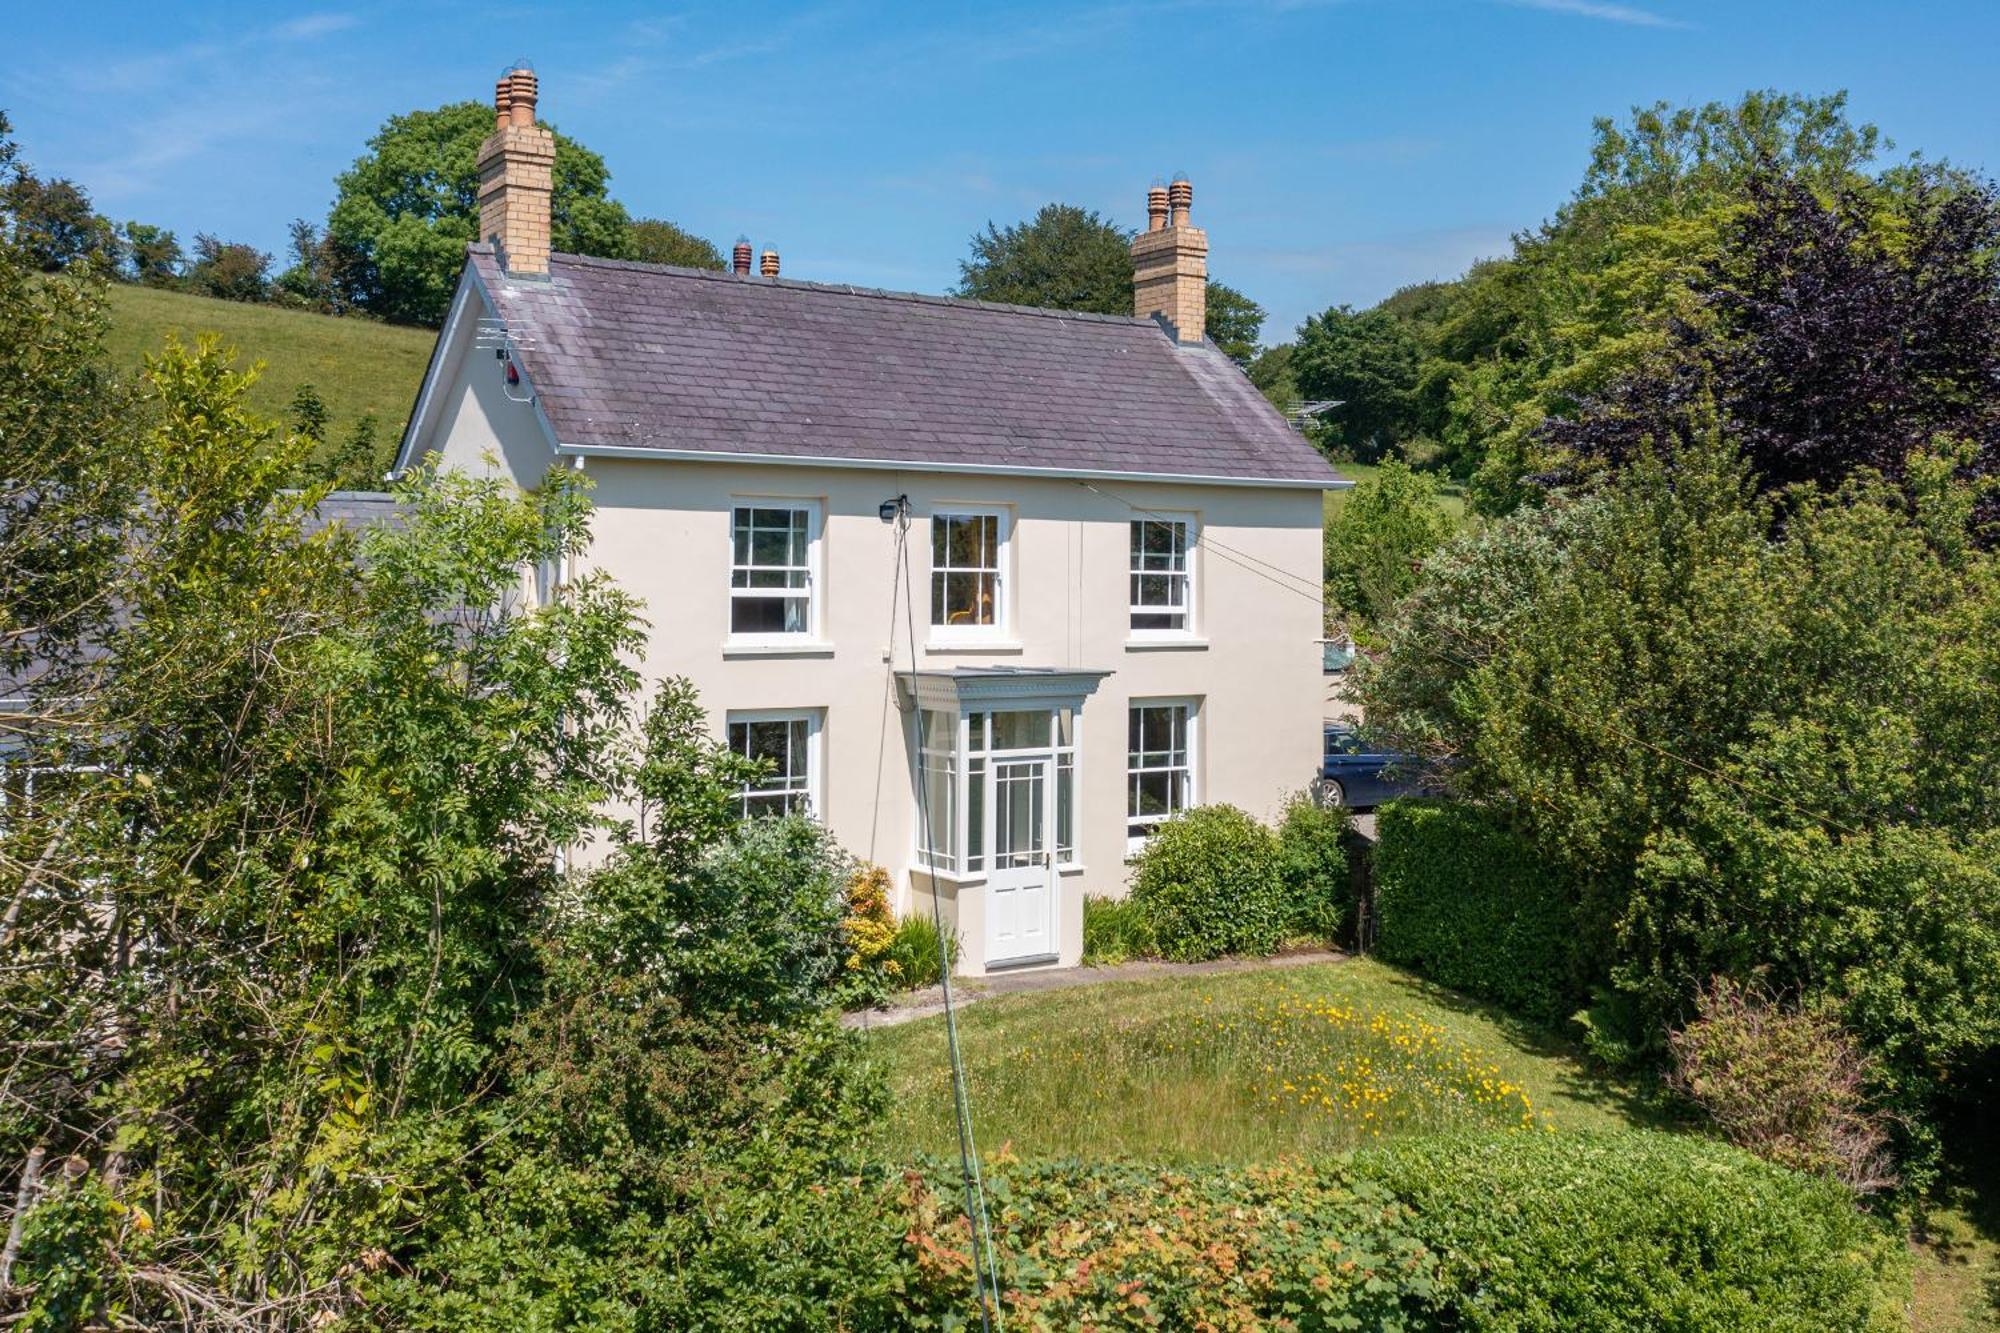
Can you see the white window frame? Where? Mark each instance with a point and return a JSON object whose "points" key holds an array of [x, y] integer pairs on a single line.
{"points": [[815, 532], [814, 719], [1135, 839], [1003, 556], [958, 861], [1188, 629]]}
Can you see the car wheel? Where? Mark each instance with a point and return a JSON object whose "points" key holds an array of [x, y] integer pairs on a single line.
{"points": [[1331, 794]]}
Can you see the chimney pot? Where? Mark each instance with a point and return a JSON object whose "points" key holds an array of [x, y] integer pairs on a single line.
{"points": [[525, 86], [517, 177], [769, 264], [1170, 264], [741, 259]]}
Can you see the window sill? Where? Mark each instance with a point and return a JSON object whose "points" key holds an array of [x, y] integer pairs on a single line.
{"points": [[776, 648], [1166, 643], [1010, 646]]}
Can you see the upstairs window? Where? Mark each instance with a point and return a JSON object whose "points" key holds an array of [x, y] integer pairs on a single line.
{"points": [[1162, 592], [1159, 765], [968, 580], [771, 570], [786, 744]]}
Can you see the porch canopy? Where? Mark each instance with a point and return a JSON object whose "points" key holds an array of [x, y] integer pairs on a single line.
{"points": [[987, 744]]}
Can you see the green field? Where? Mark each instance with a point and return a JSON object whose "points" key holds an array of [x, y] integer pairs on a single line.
{"points": [[357, 365]]}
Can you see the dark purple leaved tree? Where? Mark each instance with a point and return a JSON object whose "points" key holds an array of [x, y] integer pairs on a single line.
{"points": [[1850, 331]]}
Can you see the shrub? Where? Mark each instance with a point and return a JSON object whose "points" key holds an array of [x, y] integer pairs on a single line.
{"points": [[1312, 862], [1115, 930], [1638, 1230], [1132, 1246], [1209, 885], [761, 933], [919, 954], [1787, 1084], [1467, 903], [870, 928]]}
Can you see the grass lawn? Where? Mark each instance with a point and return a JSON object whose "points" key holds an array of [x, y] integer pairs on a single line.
{"points": [[356, 365], [1252, 1066], [1237, 1067], [1451, 495]]}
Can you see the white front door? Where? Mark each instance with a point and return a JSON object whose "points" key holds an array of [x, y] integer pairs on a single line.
{"points": [[1021, 890]]}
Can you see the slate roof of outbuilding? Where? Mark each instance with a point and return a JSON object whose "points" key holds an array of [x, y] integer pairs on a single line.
{"points": [[646, 357]]}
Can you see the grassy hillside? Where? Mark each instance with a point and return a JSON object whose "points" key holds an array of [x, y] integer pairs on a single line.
{"points": [[356, 365]]}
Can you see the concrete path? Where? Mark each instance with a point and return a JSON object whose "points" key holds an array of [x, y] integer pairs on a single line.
{"points": [[929, 1002]]}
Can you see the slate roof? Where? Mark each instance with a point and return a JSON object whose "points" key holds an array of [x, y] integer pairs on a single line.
{"points": [[645, 357]]}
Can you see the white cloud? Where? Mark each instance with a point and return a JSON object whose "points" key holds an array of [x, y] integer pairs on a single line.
{"points": [[309, 26], [1604, 10]]}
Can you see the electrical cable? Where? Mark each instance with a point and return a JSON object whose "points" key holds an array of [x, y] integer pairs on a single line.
{"points": [[985, 1276]]}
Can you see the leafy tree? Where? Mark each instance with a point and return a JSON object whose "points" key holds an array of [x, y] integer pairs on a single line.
{"points": [[52, 221], [409, 206], [1233, 322], [152, 254], [1066, 258], [1271, 370], [1756, 749], [657, 241], [1369, 363], [1069, 258], [317, 277], [293, 836], [1837, 342], [228, 270], [1376, 547]]}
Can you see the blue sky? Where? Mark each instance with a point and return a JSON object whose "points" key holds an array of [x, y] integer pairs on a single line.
{"points": [[1338, 150]]}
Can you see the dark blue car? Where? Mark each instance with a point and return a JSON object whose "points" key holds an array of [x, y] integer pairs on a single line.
{"points": [[1356, 774]]}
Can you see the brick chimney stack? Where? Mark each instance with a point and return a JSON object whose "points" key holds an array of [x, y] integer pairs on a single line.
{"points": [[768, 265], [740, 261], [517, 177], [1170, 263]]}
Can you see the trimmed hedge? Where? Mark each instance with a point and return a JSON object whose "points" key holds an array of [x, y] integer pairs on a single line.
{"points": [[1639, 1230], [1467, 903]]}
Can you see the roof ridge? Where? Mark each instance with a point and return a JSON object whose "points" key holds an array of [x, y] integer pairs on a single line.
{"points": [[844, 289]]}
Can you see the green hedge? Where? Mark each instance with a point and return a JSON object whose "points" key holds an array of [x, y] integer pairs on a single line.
{"points": [[1507, 1231], [1468, 904], [1639, 1230]]}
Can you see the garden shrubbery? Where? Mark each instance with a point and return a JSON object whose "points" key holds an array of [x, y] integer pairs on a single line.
{"points": [[919, 953], [1637, 1230], [1522, 1230], [1466, 902], [1312, 863], [1214, 881], [1209, 884]]}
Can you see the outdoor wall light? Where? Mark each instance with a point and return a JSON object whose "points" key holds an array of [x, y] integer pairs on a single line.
{"points": [[891, 510]]}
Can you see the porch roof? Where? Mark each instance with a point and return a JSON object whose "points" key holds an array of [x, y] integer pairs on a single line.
{"points": [[999, 687]]}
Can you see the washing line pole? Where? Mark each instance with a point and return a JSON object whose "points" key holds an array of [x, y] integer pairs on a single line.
{"points": [[986, 1277]]}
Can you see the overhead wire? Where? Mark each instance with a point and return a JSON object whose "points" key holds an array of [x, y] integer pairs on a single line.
{"points": [[985, 1276]]}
